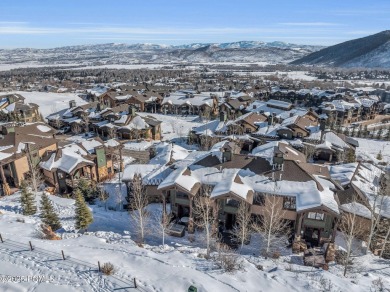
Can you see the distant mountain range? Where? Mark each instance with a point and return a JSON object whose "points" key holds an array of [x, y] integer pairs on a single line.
{"points": [[369, 52], [243, 51]]}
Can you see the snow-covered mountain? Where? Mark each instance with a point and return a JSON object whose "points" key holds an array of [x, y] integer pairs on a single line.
{"points": [[369, 52], [114, 53]]}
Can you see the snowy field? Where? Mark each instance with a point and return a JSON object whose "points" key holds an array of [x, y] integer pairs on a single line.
{"points": [[175, 127], [173, 267], [368, 149], [50, 102], [7, 67]]}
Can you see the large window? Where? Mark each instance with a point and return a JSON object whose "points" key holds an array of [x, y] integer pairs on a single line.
{"points": [[315, 216], [289, 203], [259, 199]]}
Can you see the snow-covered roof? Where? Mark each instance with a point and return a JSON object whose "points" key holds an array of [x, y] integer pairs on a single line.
{"points": [[71, 157], [356, 208], [343, 173], [242, 182], [180, 98], [367, 180]]}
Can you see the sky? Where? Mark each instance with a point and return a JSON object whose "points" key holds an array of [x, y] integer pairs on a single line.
{"points": [[55, 23]]}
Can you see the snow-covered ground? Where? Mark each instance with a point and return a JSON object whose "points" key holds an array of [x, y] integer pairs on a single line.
{"points": [[368, 150], [174, 126], [173, 267], [51, 102]]}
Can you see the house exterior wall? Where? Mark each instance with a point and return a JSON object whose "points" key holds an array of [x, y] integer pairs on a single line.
{"points": [[287, 214], [21, 164], [138, 104]]}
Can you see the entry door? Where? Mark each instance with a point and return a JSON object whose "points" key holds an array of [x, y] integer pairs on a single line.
{"points": [[312, 235]]}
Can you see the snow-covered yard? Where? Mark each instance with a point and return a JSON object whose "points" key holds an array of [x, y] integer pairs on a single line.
{"points": [[171, 268], [368, 149], [51, 102], [173, 126]]}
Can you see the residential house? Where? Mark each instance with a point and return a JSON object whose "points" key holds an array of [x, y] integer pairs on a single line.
{"points": [[21, 148], [304, 192], [89, 159]]}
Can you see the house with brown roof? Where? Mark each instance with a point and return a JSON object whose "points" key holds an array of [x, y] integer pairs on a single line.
{"points": [[20, 147], [304, 192], [90, 160], [295, 127]]}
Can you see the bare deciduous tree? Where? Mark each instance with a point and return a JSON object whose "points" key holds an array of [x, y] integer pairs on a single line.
{"points": [[386, 240], [352, 228], [163, 220], [203, 214], [242, 229], [138, 201], [103, 196], [76, 128], [35, 177], [272, 225], [111, 132], [86, 122]]}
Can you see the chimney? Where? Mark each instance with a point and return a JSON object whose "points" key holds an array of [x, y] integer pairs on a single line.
{"points": [[322, 124], [99, 107], [222, 116], [132, 110], [270, 120], [72, 103]]}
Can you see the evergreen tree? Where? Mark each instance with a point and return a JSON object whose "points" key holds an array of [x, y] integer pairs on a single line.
{"points": [[83, 214], [27, 200], [379, 156], [48, 215], [365, 131], [87, 190], [379, 134]]}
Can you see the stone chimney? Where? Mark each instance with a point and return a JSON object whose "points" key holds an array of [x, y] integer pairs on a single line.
{"points": [[72, 103], [222, 116]]}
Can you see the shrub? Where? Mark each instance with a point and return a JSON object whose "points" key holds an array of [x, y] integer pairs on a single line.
{"points": [[227, 259], [108, 269], [276, 254]]}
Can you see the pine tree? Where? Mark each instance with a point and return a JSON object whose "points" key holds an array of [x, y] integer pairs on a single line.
{"points": [[83, 214], [27, 200], [48, 215], [379, 155], [87, 190]]}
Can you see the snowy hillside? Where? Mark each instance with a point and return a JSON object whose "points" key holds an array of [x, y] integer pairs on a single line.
{"points": [[244, 51], [369, 52], [173, 267]]}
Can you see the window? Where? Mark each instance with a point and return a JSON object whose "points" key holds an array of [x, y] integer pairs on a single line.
{"points": [[181, 195], [248, 130], [109, 170], [259, 200], [289, 203], [315, 216]]}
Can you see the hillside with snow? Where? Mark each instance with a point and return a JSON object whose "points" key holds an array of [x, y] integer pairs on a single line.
{"points": [[173, 267], [106, 54], [368, 52]]}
